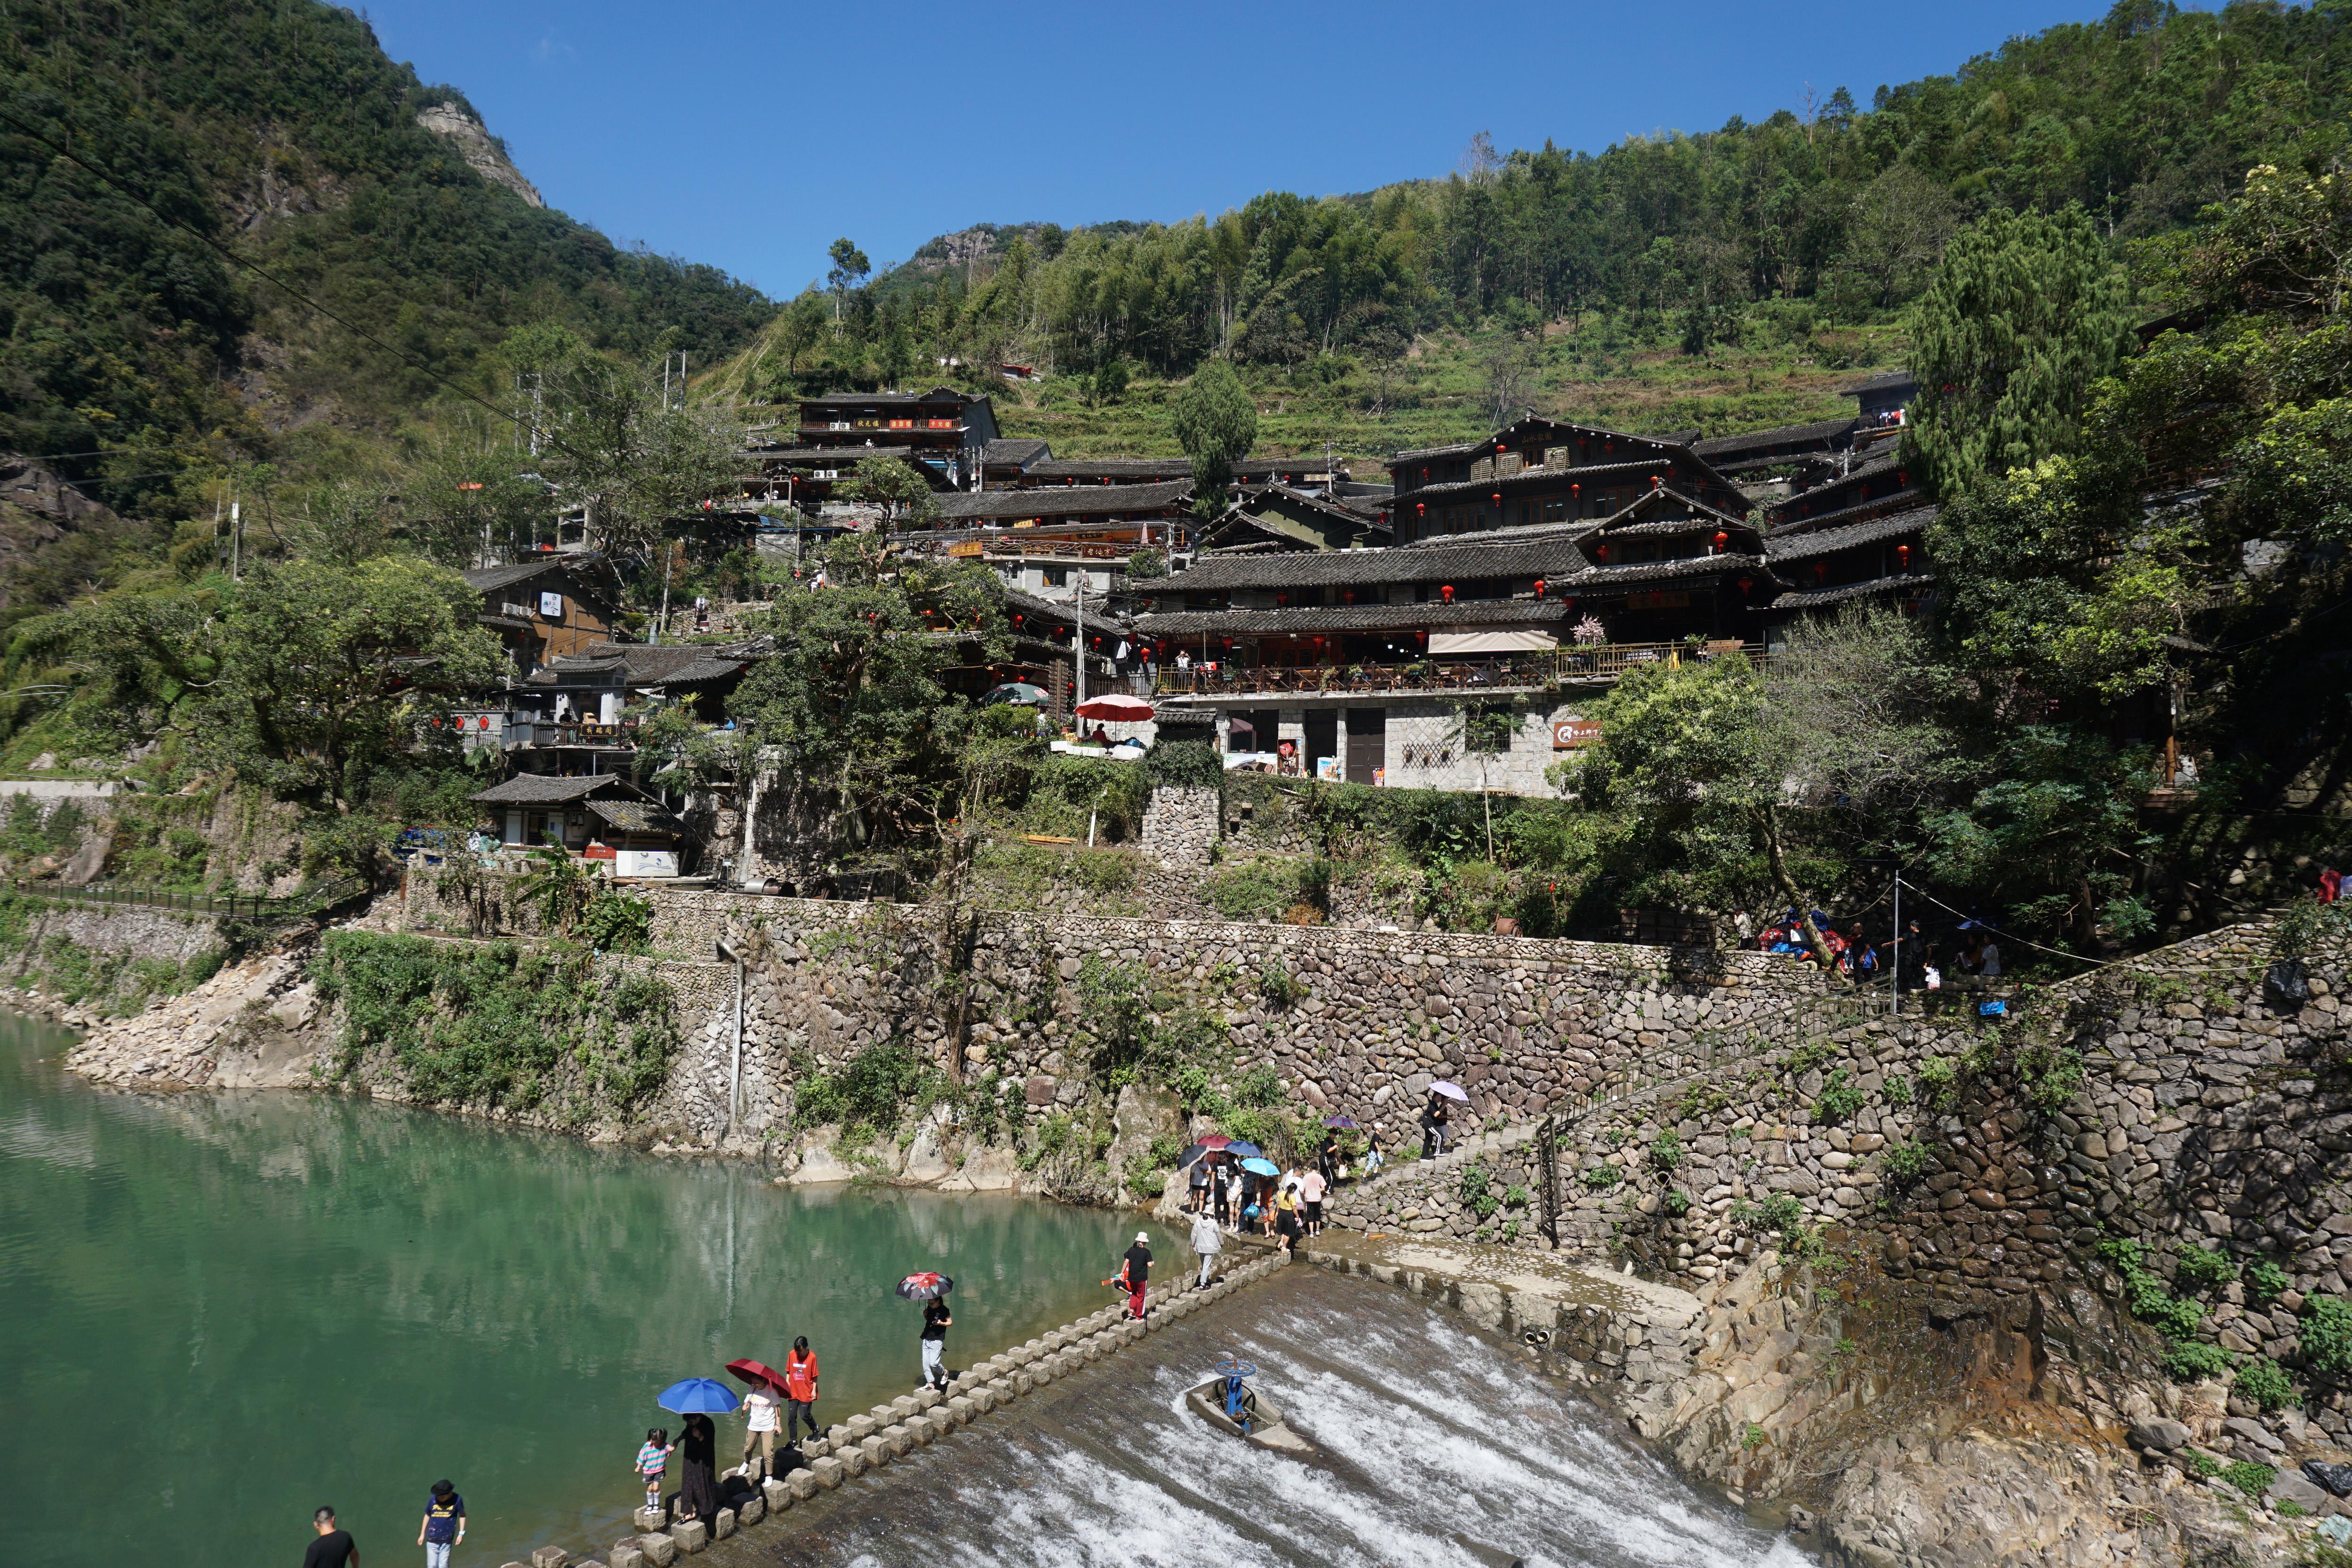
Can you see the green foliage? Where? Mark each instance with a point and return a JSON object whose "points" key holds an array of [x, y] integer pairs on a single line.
{"points": [[1906, 1162], [2052, 1075], [869, 1093], [1280, 988], [2025, 313], [494, 1025], [1258, 1088], [1185, 764], [2203, 1463], [1898, 1089], [1603, 1178], [1514, 1197], [893, 482], [1753, 1436], [1839, 1098], [2326, 1336], [2249, 1477], [1666, 1149], [616, 920], [1675, 1203], [1252, 891], [2149, 1301], [2193, 1361], [2264, 1279], [2199, 1269], [1215, 422], [558, 887], [1477, 1191], [2263, 1382], [1939, 1081]]}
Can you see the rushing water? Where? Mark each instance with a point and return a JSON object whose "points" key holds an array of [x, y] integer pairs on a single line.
{"points": [[1438, 1449], [218, 1310]]}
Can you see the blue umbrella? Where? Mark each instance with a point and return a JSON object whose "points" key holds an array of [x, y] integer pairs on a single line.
{"points": [[1256, 1167], [1243, 1151], [699, 1395]]}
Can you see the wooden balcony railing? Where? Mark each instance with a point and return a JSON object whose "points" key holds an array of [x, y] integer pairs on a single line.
{"points": [[1598, 661]]}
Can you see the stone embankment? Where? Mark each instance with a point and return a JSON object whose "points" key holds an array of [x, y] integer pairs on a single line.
{"points": [[865, 1445]]}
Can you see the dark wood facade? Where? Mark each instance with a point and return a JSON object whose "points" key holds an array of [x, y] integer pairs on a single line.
{"points": [[1542, 471]]}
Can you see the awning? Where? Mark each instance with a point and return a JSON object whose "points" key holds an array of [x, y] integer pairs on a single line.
{"points": [[1490, 639], [634, 815]]}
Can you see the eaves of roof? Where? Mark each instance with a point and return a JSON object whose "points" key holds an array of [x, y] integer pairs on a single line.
{"points": [[1829, 540], [1904, 499], [1599, 579], [1814, 599], [1597, 471], [1755, 441], [1075, 500], [1349, 617]]}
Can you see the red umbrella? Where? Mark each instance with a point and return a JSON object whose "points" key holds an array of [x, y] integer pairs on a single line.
{"points": [[751, 1371], [1214, 1141], [925, 1287], [1117, 708]]}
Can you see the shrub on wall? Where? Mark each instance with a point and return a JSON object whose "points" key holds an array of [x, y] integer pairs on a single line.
{"points": [[499, 1025]]}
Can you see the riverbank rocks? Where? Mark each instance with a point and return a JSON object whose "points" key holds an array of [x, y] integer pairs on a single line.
{"points": [[658, 1549], [690, 1534]]}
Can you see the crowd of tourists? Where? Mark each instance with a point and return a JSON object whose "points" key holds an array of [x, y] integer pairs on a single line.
{"points": [[1917, 961]]}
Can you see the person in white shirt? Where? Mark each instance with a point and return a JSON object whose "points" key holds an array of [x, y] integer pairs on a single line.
{"points": [[1208, 1241], [765, 1406], [1992, 970]]}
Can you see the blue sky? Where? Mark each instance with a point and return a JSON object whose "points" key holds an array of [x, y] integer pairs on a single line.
{"points": [[750, 136]]}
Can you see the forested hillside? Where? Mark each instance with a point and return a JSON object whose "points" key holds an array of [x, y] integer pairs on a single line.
{"points": [[1708, 246], [138, 142]]}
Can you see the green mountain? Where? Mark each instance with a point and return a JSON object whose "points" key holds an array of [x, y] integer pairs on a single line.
{"points": [[136, 149]]}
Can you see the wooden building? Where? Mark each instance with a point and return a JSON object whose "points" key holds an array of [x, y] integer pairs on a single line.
{"points": [[548, 606], [1542, 471], [601, 817], [1068, 472], [1274, 517]]}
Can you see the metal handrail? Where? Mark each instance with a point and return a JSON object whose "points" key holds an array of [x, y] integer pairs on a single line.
{"points": [[253, 905]]}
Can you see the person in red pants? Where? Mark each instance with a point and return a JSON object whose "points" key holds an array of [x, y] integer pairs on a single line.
{"points": [[1138, 1262]]}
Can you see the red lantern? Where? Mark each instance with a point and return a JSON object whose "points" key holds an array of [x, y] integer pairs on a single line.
{"points": [[1902, 476], [1347, 596], [1282, 598], [1656, 481], [1821, 571], [1721, 539], [1746, 584], [1420, 510], [1568, 603], [1601, 551], [1540, 587], [1446, 593], [1902, 556]]}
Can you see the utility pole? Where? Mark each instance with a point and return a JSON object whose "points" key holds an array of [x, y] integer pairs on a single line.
{"points": [[1078, 644]]}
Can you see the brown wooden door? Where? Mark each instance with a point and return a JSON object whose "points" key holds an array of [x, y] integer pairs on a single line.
{"points": [[1368, 744]]}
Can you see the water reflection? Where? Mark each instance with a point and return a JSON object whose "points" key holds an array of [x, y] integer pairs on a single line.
{"points": [[224, 1308]]}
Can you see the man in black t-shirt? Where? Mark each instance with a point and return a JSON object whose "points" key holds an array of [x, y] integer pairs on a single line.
{"points": [[936, 1319], [1138, 1272], [334, 1548]]}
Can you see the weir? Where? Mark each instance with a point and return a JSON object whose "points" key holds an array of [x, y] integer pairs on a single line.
{"points": [[1436, 1443]]}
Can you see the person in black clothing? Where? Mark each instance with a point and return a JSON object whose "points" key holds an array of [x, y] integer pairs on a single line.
{"points": [[698, 1493], [1433, 1126], [1220, 1192], [1327, 1159], [936, 1320], [334, 1548], [1137, 1263]]}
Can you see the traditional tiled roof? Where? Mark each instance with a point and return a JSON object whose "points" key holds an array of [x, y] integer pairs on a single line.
{"points": [[1816, 598], [1075, 500], [1815, 542], [1599, 579], [1551, 427], [1904, 499], [649, 664], [1619, 522], [550, 789], [1349, 617], [936, 394], [487, 579], [1596, 473], [1749, 444], [1884, 381], [1030, 604], [634, 815], [1021, 452]]}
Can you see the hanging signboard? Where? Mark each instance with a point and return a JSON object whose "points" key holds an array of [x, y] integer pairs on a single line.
{"points": [[551, 606], [1568, 734]]}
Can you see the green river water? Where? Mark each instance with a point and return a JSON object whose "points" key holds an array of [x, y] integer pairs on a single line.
{"points": [[222, 1309]]}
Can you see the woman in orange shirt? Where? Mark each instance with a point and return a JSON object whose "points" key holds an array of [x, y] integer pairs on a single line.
{"points": [[799, 1392]]}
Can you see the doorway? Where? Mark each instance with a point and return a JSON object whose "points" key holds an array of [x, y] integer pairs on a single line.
{"points": [[1367, 744], [1322, 728]]}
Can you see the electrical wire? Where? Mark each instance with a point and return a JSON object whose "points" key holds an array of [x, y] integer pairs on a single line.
{"points": [[9, 117]]}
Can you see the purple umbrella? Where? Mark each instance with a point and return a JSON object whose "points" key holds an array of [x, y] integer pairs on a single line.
{"points": [[1451, 1091], [1347, 1124]]}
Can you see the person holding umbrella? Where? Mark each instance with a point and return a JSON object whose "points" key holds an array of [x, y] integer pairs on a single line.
{"points": [[1199, 1182], [698, 1399], [1434, 1116], [764, 1405], [932, 1290]]}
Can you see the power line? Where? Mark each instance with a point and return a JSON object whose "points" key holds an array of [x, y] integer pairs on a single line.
{"points": [[209, 243]]}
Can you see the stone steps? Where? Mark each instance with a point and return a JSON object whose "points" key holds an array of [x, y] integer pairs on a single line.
{"points": [[869, 1441]]}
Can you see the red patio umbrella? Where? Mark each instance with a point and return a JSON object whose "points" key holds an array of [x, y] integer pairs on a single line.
{"points": [[1117, 709], [1214, 1142]]}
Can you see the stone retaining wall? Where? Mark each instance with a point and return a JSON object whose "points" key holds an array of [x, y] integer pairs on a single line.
{"points": [[2204, 1115]]}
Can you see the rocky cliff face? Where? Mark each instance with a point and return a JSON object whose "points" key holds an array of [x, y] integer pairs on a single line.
{"points": [[474, 140]]}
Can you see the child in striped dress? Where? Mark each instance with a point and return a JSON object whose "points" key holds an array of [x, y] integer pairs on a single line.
{"points": [[653, 1463]]}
